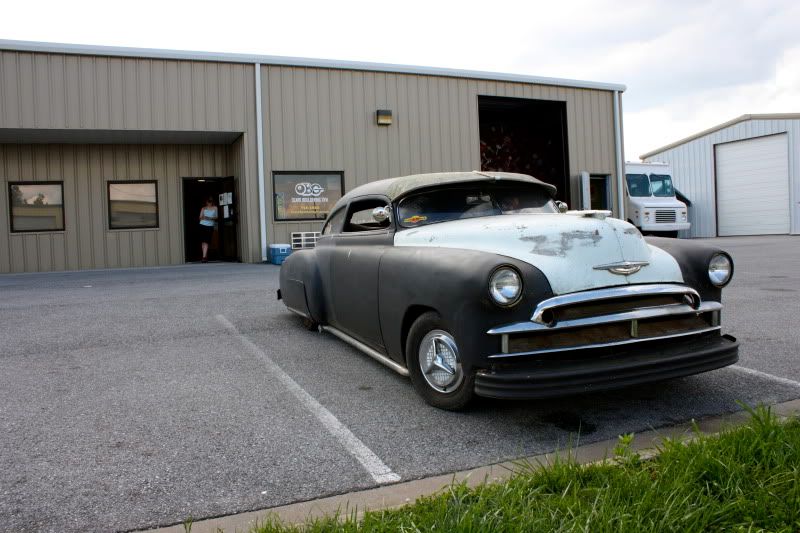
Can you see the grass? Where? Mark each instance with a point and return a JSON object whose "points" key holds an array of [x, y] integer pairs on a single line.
{"points": [[746, 478]]}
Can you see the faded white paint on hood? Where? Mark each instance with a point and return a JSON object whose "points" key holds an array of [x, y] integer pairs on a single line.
{"points": [[565, 247]]}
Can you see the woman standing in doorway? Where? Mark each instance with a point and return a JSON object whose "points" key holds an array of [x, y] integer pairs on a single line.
{"points": [[208, 219]]}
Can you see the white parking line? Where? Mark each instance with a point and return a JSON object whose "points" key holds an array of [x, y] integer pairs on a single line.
{"points": [[371, 462], [770, 377]]}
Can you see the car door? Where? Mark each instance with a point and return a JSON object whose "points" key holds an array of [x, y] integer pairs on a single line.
{"points": [[356, 264]]}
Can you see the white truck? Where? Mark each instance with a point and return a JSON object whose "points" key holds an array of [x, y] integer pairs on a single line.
{"points": [[650, 203]]}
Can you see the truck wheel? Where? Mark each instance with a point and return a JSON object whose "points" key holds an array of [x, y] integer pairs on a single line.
{"points": [[434, 364]]}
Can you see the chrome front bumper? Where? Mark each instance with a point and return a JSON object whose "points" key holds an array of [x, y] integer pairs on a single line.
{"points": [[545, 319]]}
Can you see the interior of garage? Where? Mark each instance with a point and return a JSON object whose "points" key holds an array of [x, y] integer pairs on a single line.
{"points": [[527, 136]]}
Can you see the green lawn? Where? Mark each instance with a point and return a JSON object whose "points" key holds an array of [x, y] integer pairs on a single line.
{"points": [[746, 478]]}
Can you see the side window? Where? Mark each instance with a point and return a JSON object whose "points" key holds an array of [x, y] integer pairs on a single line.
{"points": [[36, 206], [334, 224], [360, 216]]}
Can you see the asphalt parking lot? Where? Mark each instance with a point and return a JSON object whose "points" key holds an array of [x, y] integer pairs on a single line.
{"points": [[136, 398]]}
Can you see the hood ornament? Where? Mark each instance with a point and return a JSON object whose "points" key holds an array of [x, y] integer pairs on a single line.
{"points": [[623, 268]]}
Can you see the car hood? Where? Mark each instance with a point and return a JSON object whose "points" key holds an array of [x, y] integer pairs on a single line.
{"points": [[565, 247]]}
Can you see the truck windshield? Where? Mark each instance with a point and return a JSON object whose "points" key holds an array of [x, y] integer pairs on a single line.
{"points": [[638, 184], [447, 204], [661, 185]]}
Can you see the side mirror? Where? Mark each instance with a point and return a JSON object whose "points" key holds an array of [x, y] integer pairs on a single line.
{"points": [[562, 206], [381, 214]]}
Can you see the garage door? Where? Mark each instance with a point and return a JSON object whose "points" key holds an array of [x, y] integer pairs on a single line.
{"points": [[753, 186]]}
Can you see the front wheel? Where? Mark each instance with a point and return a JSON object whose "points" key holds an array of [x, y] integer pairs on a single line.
{"points": [[434, 364]]}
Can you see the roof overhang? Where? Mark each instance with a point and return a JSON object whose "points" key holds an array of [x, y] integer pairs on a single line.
{"points": [[154, 53]]}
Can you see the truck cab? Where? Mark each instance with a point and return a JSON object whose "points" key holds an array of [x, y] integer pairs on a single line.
{"points": [[651, 204]]}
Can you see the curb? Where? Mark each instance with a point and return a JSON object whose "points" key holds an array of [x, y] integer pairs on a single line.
{"points": [[403, 493]]}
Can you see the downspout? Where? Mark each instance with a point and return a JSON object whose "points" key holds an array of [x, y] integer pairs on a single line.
{"points": [[620, 161], [262, 207]]}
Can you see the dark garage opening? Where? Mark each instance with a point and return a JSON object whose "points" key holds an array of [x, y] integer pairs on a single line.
{"points": [[223, 246], [526, 136]]}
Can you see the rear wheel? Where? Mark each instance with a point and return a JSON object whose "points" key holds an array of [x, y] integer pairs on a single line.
{"points": [[434, 364]]}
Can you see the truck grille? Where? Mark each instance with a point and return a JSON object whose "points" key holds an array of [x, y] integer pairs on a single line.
{"points": [[665, 217]]}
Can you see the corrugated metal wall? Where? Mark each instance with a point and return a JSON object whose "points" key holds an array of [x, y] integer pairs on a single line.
{"points": [[314, 119], [693, 169], [57, 91], [317, 119], [86, 241], [92, 92]]}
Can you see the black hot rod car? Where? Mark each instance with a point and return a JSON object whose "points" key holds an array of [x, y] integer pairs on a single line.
{"points": [[480, 283]]}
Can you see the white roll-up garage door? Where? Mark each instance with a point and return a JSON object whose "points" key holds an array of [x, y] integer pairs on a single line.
{"points": [[753, 186]]}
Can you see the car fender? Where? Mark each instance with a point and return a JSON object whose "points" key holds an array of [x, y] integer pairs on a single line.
{"points": [[454, 283], [693, 258], [301, 285]]}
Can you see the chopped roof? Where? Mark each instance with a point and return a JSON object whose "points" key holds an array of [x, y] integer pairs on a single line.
{"points": [[396, 188]]}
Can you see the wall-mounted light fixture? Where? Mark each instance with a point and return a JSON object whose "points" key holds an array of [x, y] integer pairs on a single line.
{"points": [[384, 117]]}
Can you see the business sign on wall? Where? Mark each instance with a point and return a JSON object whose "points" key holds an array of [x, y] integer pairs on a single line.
{"points": [[306, 195]]}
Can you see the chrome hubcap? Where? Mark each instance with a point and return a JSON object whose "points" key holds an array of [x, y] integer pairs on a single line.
{"points": [[439, 362]]}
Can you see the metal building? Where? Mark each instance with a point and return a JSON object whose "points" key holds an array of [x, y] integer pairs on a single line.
{"points": [[107, 154], [742, 177]]}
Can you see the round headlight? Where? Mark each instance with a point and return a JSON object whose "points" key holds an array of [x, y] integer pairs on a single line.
{"points": [[505, 286], [720, 269]]}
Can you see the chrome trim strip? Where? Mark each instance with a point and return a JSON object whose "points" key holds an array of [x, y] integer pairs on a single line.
{"points": [[633, 314], [403, 371], [297, 312], [605, 344], [610, 294]]}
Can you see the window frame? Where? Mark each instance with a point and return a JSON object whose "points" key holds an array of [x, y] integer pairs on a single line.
{"points": [[11, 207], [108, 205], [363, 199], [276, 173], [329, 222]]}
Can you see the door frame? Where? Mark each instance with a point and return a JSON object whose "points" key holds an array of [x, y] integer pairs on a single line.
{"points": [[234, 181]]}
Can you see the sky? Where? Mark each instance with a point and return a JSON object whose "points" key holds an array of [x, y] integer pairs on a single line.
{"points": [[687, 65]]}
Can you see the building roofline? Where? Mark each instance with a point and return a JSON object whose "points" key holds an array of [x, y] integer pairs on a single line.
{"points": [[743, 118], [154, 53]]}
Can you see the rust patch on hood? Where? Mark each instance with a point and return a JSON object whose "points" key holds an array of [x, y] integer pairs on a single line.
{"points": [[559, 247]]}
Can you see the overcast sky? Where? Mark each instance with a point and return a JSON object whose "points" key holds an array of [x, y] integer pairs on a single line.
{"points": [[688, 65]]}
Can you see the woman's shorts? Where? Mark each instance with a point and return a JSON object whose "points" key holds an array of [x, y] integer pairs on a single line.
{"points": [[205, 233]]}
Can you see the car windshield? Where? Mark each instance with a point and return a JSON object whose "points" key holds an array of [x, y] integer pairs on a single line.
{"points": [[661, 185], [638, 184], [443, 205]]}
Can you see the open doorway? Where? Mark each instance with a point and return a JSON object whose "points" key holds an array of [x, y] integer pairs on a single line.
{"points": [[526, 136], [225, 238]]}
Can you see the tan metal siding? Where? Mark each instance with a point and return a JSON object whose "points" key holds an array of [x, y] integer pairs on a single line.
{"points": [[92, 92], [319, 119], [85, 170], [57, 91]]}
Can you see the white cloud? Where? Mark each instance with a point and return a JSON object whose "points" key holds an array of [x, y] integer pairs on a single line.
{"points": [[652, 127]]}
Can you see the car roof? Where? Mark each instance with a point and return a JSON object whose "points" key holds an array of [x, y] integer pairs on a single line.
{"points": [[396, 188]]}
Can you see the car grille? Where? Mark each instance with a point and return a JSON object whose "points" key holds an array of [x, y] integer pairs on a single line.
{"points": [[665, 217], [640, 330], [608, 317]]}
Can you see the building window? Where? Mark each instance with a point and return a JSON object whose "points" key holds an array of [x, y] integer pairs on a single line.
{"points": [[132, 204], [306, 195], [36, 206]]}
